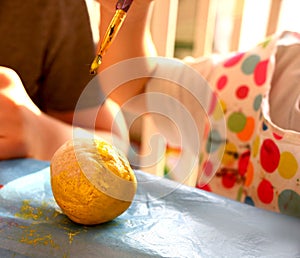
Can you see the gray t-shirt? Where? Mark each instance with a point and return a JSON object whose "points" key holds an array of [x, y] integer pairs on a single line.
{"points": [[49, 44]]}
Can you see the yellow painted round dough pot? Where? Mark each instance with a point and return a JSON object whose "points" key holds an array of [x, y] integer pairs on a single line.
{"points": [[92, 182]]}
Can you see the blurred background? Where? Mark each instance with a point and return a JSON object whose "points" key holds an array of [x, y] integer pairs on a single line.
{"points": [[205, 26], [200, 27]]}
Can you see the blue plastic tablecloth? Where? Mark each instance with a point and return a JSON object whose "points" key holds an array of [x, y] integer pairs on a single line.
{"points": [[165, 220]]}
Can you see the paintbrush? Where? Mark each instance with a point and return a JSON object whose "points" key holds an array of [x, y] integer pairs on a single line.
{"points": [[122, 7]]}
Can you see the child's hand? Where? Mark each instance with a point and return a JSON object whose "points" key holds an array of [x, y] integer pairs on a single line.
{"points": [[17, 115]]}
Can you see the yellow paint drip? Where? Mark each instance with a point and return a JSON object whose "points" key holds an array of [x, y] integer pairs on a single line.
{"points": [[72, 235]]}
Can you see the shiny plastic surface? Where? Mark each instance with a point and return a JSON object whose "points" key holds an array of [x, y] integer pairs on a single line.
{"points": [[165, 220]]}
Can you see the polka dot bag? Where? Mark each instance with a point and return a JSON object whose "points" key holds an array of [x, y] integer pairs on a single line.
{"points": [[259, 161], [274, 167]]}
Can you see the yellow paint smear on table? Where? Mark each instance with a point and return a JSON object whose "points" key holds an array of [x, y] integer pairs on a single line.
{"points": [[32, 237], [32, 234], [35, 213]]}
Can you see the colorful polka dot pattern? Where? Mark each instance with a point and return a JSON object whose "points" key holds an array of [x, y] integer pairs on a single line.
{"points": [[276, 183], [240, 83], [260, 162]]}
